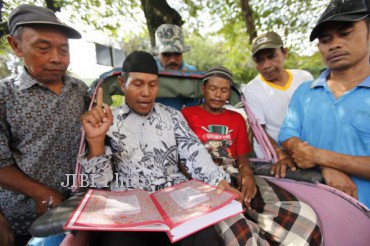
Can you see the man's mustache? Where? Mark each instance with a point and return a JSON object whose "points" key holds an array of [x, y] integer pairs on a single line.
{"points": [[172, 64]]}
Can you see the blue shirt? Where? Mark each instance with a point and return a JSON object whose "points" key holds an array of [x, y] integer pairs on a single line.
{"points": [[180, 102], [337, 124]]}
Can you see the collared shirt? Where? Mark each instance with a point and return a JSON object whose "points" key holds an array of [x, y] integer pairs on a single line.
{"points": [[339, 124], [39, 133], [269, 101], [143, 152]]}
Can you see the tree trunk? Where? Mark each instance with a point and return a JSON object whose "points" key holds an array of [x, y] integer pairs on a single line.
{"points": [[158, 12], [248, 18], [1, 13], [50, 4]]}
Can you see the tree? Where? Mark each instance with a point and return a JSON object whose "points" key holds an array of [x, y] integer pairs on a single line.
{"points": [[249, 20], [157, 13], [237, 22]]}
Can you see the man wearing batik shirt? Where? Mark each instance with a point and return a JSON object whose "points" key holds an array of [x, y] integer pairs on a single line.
{"points": [[39, 118], [138, 146]]}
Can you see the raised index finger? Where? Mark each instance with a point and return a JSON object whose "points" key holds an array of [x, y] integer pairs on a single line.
{"points": [[99, 97]]}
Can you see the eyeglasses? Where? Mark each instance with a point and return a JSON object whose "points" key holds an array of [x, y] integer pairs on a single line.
{"points": [[169, 54]]}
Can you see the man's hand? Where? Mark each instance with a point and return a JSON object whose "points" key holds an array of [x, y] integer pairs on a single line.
{"points": [[246, 184], [97, 121], [284, 163], [47, 198], [224, 185], [6, 233], [340, 181], [303, 155]]}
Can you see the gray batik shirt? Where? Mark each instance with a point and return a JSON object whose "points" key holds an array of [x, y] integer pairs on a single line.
{"points": [[142, 152], [40, 133]]}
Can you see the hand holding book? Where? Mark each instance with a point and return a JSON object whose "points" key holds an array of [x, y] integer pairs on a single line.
{"points": [[180, 210]]}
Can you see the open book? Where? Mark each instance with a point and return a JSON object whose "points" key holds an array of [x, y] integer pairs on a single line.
{"points": [[179, 210]]}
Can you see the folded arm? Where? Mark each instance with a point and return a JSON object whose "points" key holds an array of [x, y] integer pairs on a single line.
{"points": [[307, 156]]}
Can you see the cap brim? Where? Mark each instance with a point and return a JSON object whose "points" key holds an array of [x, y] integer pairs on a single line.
{"points": [[71, 32], [158, 50], [343, 18], [267, 46]]}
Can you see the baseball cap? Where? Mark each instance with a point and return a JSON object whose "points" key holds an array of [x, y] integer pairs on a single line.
{"points": [[169, 38], [28, 14], [342, 10], [220, 72], [270, 40]]}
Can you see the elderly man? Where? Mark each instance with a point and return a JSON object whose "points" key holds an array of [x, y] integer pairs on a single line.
{"points": [[39, 110], [268, 94], [327, 124], [169, 49]]}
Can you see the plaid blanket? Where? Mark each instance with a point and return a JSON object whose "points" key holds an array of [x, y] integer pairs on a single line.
{"points": [[277, 218]]}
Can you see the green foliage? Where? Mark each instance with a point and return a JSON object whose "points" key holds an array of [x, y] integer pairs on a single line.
{"points": [[204, 53], [312, 63], [227, 45]]}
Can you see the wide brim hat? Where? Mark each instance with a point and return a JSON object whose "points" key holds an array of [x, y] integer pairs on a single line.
{"points": [[341, 10], [28, 14], [169, 38]]}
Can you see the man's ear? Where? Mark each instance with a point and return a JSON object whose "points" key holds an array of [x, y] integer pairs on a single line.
{"points": [[202, 88], [285, 52], [15, 44], [122, 84]]}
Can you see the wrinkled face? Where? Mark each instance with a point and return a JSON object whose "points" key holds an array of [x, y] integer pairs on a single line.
{"points": [[344, 44], [270, 63], [216, 92], [141, 90], [45, 53], [171, 60]]}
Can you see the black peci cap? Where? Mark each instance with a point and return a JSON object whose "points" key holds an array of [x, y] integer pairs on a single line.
{"points": [[140, 62]]}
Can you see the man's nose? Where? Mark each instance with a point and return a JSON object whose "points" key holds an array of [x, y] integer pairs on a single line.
{"points": [[55, 56], [335, 43], [145, 91], [267, 63]]}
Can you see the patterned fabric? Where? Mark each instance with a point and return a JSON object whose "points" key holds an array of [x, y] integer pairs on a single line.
{"points": [[329, 128], [143, 152], [169, 38], [40, 134], [276, 218]]}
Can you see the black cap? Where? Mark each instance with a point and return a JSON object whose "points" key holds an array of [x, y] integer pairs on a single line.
{"points": [[27, 14], [140, 62], [342, 10]]}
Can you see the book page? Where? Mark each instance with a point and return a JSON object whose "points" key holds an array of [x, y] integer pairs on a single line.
{"points": [[186, 201], [188, 197], [107, 209], [116, 206]]}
